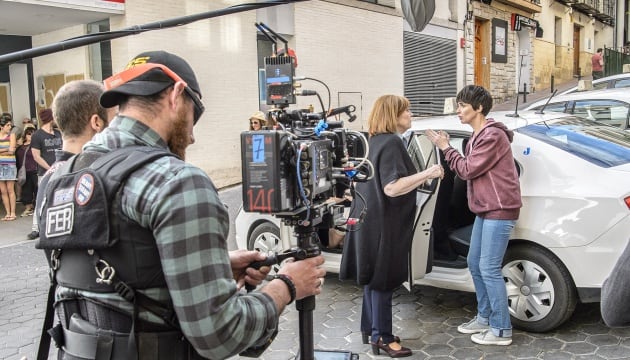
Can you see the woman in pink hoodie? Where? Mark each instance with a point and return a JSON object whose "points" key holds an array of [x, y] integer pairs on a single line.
{"points": [[494, 196]]}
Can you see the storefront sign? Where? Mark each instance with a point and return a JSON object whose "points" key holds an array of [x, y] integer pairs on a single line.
{"points": [[520, 20]]}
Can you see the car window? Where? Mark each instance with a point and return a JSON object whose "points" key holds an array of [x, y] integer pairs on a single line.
{"points": [[603, 146], [622, 83], [600, 85], [609, 112]]}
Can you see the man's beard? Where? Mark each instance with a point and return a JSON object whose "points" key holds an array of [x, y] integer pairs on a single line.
{"points": [[180, 138]]}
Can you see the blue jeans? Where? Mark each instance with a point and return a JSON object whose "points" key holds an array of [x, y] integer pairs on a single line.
{"points": [[376, 315], [488, 243]]}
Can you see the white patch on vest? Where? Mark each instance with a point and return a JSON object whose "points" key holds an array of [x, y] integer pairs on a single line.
{"points": [[59, 220], [62, 196], [84, 189]]}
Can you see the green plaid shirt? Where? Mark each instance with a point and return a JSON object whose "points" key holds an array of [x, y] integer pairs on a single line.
{"points": [[180, 204]]}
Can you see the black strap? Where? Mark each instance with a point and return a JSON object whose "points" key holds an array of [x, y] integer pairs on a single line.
{"points": [[44, 342], [166, 313]]}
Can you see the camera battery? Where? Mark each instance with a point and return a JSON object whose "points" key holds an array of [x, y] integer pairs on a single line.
{"points": [[268, 183]]}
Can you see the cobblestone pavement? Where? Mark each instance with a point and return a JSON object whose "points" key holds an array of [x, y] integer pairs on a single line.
{"points": [[426, 320]]}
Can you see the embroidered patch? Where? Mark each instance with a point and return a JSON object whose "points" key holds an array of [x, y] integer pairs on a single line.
{"points": [[84, 189], [59, 220], [62, 196]]}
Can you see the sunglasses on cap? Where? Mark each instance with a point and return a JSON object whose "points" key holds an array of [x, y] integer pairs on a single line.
{"points": [[133, 72]]}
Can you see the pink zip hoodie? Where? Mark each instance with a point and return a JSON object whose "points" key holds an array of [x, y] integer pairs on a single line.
{"points": [[490, 172]]}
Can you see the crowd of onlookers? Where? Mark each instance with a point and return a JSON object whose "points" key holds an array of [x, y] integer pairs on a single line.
{"points": [[22, 148]]}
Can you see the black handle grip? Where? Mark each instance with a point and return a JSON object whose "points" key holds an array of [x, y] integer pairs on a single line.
{"points": [[270, 260]]}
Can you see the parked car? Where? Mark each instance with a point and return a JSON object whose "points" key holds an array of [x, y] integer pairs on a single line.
{"points": [[574, 223], [611, 107], [608, 82]]}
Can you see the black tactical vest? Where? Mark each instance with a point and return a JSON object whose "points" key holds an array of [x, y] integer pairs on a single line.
{"points": [[93, 246], [81, 215]]}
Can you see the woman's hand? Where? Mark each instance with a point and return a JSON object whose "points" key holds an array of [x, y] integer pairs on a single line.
{"points": [[440, 139], [435, 171]]}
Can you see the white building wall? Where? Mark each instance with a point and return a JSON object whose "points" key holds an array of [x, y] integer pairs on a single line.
{"points": [[351, 50], [73, 61]]}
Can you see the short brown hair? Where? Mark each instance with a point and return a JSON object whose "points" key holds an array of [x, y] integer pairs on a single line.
{"points": [[383, 118], [75, 103]]}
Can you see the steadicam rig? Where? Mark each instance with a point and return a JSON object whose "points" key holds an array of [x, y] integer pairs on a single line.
{"points": [[295, 169]]}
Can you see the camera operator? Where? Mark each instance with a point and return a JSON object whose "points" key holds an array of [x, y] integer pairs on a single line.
{"points": [[173, 223]]}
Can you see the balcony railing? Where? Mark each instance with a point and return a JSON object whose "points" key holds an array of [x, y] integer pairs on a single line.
{"points": [[602, 10]]}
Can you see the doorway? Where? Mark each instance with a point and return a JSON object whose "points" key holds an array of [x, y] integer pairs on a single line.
{"points": [[482, 53]]}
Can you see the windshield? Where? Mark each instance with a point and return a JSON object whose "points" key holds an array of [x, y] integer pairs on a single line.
{"points": [[599, 144]]}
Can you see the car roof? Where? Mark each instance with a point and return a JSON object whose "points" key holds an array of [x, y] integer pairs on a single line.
{"points": [[452, 122], [621, 94]]}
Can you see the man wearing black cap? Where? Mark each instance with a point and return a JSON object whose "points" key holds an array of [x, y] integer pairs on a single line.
{"points": [[170, 219]]}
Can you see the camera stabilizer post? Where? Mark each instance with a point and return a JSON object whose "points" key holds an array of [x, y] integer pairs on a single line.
{"points": [[308, 246]]}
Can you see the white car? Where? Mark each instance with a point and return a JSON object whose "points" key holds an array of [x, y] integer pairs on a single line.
{"points": [[573, 226], [608, 82], [610, 107]]}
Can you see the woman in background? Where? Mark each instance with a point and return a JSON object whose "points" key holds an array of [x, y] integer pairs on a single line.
{"points": [[29, 188], [375, 251], [8, 170], [257, 121]]}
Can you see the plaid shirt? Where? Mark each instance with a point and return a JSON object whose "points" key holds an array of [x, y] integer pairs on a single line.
{"points": [[179, 203]]}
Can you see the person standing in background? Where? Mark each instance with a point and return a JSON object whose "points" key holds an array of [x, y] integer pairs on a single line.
{"points": [[24, 155], [597, 61], [257, 121], [8, 170], [45, 141], [494, 196], [375, 251]]}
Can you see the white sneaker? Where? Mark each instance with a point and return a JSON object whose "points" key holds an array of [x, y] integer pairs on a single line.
{"points": [[472, 327], [486, 337]]}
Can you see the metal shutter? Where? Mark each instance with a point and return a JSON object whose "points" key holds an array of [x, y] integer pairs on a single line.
{"points": [[430, 72]]}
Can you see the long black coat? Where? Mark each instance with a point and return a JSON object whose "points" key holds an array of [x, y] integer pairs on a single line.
{"points": [[375, 251]]}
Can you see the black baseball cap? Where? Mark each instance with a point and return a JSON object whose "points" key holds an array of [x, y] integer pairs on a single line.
{"points": [[150, 82]]}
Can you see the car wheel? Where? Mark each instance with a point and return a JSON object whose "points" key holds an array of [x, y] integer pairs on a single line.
{"points": [[265, 238], [541, 293]]}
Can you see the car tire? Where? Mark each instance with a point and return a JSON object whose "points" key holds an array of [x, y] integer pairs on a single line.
{"points": [[541, 292], [265, 237]]}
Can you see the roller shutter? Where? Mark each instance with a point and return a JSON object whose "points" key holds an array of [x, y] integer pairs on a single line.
{"points": [[430, 72]]}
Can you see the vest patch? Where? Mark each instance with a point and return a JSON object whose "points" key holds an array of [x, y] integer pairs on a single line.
{"points": [[84, 189], [62, 196], [59, 220]]}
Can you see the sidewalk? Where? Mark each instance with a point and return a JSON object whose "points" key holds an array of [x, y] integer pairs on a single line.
{"points": [[533, 97], [14, 232]]}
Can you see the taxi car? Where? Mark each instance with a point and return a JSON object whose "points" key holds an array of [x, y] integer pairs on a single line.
{"points": [[574, 223]]}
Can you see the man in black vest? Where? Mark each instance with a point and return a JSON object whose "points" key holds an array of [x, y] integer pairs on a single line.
{"points": [[169, 272]]}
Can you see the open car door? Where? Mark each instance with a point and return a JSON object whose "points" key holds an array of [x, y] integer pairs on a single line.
{"points": [[423, 154]]}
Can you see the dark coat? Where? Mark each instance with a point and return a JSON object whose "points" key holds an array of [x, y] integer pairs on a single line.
{"points": [[376, 250]]}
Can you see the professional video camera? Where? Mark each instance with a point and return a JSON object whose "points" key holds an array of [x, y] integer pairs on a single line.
{"points": [[293, 170], [299, 171]]}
